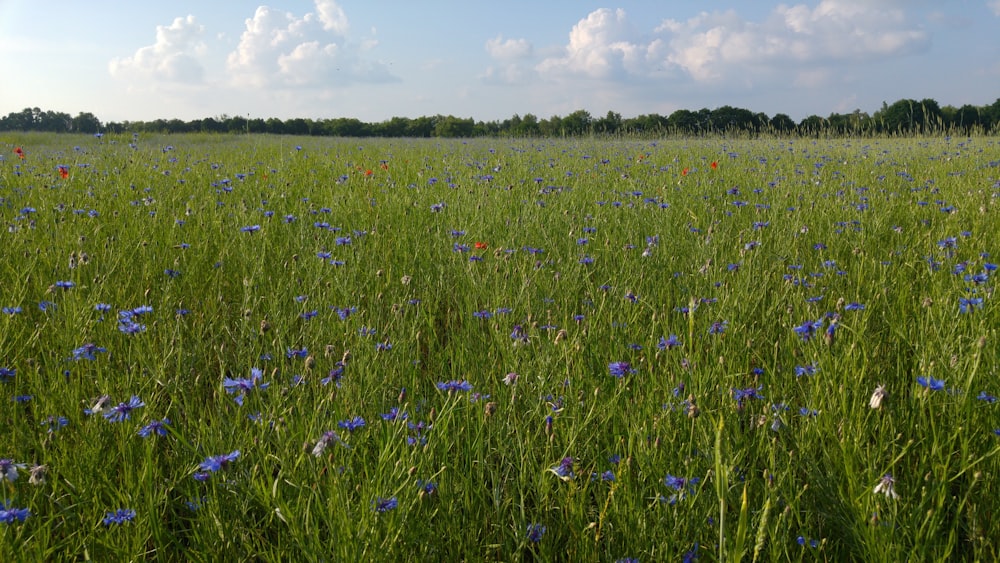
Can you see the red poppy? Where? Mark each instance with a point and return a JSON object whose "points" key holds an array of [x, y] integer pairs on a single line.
{"points": [[19, 152], [481, 245], [714, 165], [385, 166], [685, 172], [64, 172], [368, 172]]}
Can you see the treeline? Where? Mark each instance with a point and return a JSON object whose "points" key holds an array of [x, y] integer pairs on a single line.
{"points": [[904, 117]]}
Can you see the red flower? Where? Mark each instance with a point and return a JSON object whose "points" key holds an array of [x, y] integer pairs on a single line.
{"points": [[481, 245], [19, 152], [368, 172], [684, 172], [63, 171], [714, 165]]}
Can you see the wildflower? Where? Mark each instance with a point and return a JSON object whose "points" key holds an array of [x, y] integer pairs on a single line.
{"points": [[885, 486], [250, 229], [984, 396], [218, 462], [158, 427], [244, 385], [63, 171], [12, 310], [87, 351], [7, 373], [877, 397], [510, 378], [564, 470], [426, 487], [454, 386], [122, 411], [8, 469], [120, 516], [352, 424], [19, 152], [8, 515], [966, 305], [931, 383], [809, 369], [807, 329], [718, 327], [98, 405], [691, 555], [741, 395], [384, 504], [620, 369], [324, 441], [535, 532], [37, 475]]}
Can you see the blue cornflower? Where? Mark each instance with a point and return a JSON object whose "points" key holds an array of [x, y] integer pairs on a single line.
{"points": [[120, 516], [7, 373], [426, 487], [122, 411], [718, 327], [984, 396], [484, 314], [250, 229], [8, 515], [87, 351], [565, 468], [931, 383], [8, 469], [65, 284], [620, 369], [394, 414], [454, 386], [218, 462], [11, 310], [300, 353], [854, 306], [158, 427], [807, 329], [967, 305], [352, 424], [741, 395], [809, 369], [535, 532], [244, 385], [384, 504]]}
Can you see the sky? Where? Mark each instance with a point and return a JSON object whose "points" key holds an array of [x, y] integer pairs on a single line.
{"points": [[373, 59]]}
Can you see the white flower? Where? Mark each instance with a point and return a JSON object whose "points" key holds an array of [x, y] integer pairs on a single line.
{"points": [[877, 397], [885, 486]]}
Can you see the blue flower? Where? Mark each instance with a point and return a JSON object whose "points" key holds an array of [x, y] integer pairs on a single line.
{"points": [[807, 329], [718, 327], [669, 343], [454, 386], [620, 369], [931, 383], [384, 504], [565, 469], [158, 427], [11, 310], [122, 411], [120, 516], [7, 373], [352, 424], [809, 369], [244, 385], [250, 229], [87, 351], [8, 469], [535, 532], [218, 462], [968, 305], [8, 515]]}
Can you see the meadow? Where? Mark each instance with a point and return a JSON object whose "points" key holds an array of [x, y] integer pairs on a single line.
{"points": [[239, 348]]}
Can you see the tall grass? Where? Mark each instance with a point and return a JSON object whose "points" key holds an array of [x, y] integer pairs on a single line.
{"points": [[561, 350]]}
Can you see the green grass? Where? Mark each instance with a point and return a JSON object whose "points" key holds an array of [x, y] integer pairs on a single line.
{"points": [[821, 225]]}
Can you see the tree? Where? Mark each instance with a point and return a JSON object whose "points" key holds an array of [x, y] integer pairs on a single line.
{"points": [[782, 123]]}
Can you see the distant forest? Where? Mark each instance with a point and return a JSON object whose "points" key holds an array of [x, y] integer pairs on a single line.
{"points": [[904, 117]]}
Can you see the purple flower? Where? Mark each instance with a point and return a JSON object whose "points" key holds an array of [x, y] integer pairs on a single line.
{"points": [[218, 462], [352, 424], [122, 411], [158, 427], [244, 385], [454, 386], [384, 504], [535, 532], [250, 229], [718, 327], [8, 469], [807, 329], [8, 515], [620, 369], [669, 343], [120, 516], [87, 351], [931, 383]]}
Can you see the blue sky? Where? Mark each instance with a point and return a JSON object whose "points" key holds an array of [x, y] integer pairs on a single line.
{"points": [[489, 60]]}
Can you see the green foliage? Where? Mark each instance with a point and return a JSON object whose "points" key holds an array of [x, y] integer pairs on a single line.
{"points": [[348, 273]]}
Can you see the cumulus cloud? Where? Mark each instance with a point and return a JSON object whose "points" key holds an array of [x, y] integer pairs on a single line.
{"points": [[281, 50], [501, 49], [173, 57], [714, 46]]}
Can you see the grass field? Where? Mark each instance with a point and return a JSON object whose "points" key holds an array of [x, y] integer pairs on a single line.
{"points": [[226, 348]]}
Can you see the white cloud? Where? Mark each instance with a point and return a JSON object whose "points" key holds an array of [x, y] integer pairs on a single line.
{"points": [[510, 49], [994, 6], [280, 50], [601, 45], [172, 58]]}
